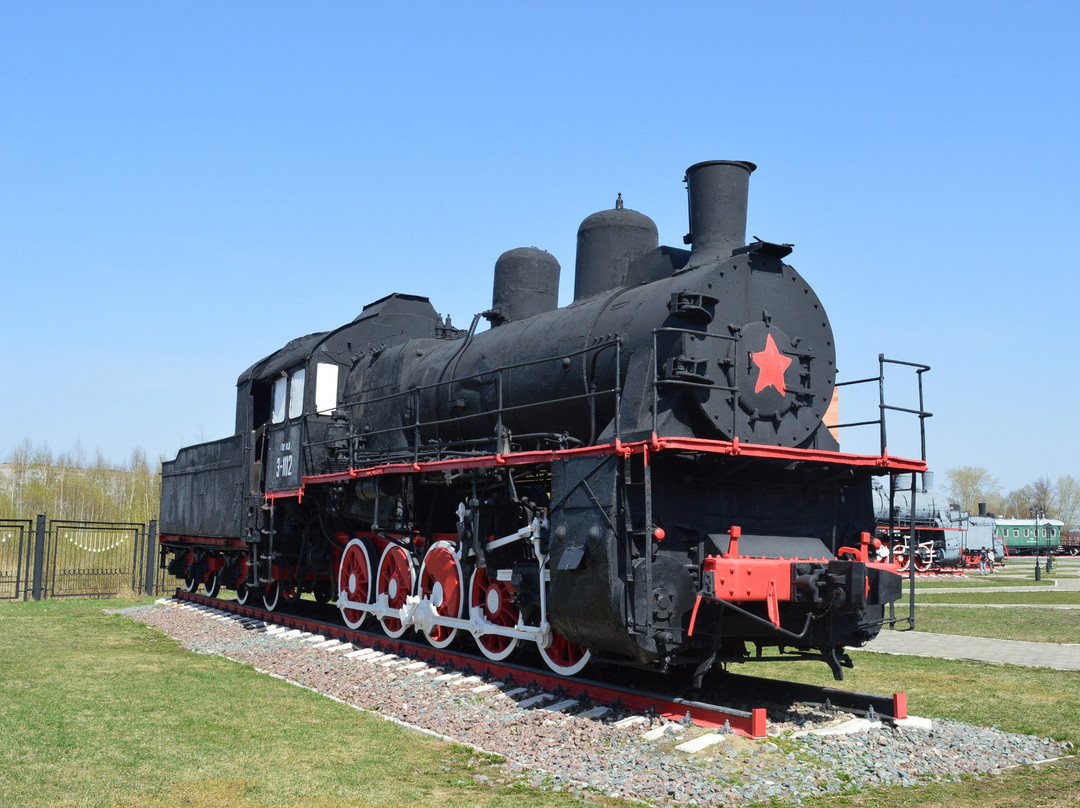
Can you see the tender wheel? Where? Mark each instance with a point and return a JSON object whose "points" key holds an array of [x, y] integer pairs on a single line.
{"points": [[291, 593], [212, 585], [496, 598], [191, 584], [354, 580], [395, 579], [442, 582], [564, 657], [272, 596], [900, 557], [242, 591]]}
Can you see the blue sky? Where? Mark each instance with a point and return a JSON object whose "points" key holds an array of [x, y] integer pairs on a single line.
{"points": [[184, 187]]}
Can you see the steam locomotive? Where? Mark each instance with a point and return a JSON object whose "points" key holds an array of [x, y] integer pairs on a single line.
{"points": [[945, 536], [647, 476]]}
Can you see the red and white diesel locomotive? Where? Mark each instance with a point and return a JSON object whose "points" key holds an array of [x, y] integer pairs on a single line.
{"points": [[644, 476]]}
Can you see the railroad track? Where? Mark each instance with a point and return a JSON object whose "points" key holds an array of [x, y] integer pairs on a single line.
{"points": [[556, 692]]}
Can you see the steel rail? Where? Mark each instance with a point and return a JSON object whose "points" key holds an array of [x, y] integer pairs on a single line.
{"points": [[891, 707], [751, 724]]}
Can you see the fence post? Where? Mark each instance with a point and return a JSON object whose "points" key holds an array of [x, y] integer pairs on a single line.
{"points": [[39, 555], [151, 555]]}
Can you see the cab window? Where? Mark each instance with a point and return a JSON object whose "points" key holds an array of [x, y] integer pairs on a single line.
{"points": [[287, 396], [296, 393], [326, 382], [278, 399]]}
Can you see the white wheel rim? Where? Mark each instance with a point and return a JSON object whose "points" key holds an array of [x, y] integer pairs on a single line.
{"points": [[511, 646], [437, 595], [392, 588], [355, 548], [565, 670]]}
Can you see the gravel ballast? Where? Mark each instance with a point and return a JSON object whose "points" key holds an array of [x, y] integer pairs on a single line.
{"points": [[568, 751]]}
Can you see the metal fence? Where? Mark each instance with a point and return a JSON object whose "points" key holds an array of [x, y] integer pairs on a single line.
{"points": [[56, 558], [16, 537]]}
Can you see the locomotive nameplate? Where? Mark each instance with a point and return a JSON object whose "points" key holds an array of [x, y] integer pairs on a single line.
{"points": [[283, 459]]}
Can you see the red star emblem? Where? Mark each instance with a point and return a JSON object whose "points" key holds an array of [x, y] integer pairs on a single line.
{"points": [[771, 367]]}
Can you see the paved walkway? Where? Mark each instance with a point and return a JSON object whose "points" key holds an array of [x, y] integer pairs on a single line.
{"points": [[1057, 585], [1060, 656]]}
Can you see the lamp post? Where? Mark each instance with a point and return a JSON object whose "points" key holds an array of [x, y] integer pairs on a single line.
{"points": [[1037, 513], [1049, 547]]}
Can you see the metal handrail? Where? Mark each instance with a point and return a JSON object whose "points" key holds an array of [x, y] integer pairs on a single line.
{"points": [[883, 407], [465, 447]]}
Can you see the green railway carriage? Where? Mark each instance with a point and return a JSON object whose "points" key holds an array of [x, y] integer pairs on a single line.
{"points": [[1030, 536]]}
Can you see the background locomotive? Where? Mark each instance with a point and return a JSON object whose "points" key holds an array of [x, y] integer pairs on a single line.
{"points": [[643, 476], [945, 536]]}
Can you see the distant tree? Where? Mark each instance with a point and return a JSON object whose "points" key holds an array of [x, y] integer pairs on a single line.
{"points": [[1042, 495], [970, 485], [1067, 500], [69, 486], [1015, 504]]}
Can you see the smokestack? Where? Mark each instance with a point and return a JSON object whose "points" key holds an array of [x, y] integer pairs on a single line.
{"points": [[718, 192]]}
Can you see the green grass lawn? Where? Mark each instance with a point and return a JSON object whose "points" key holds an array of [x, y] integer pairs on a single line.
{"points": [[1047, 598], [1033, 625], [979, 581], [1033, 701], [98, 710]]}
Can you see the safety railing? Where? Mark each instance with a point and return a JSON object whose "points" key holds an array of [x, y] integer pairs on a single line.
{"points": [[921, 414], [884, 407]]}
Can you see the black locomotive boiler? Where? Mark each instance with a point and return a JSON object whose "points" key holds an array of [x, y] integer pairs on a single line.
{"points": [[647, 475]]}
